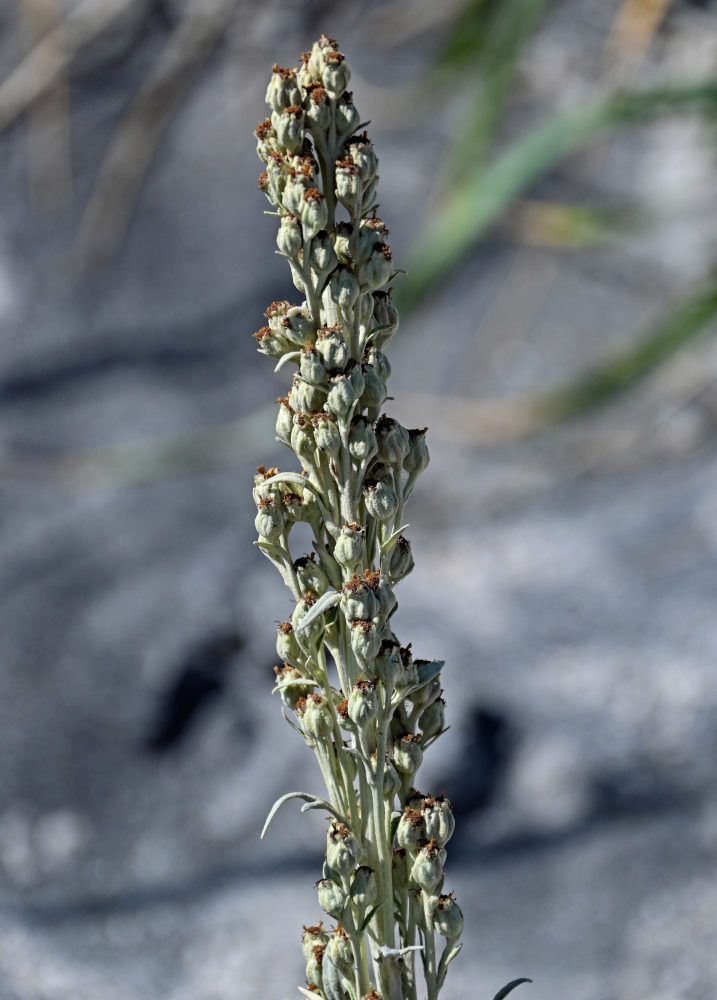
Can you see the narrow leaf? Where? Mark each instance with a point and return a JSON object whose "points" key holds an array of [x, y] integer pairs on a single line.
{"points": [[475, 205], [509, 987], [325, 602], [369, 916], [688, 319], [316, 803]]}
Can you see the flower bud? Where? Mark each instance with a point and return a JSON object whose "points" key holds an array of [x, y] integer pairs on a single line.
{"points": [[269, 521], [314, 963], [338, 950], [363, 703], [448, 918], [283, 89], [432, 719], [287, 647], [386, 598], [292, 686], [380, 499], [318, 111], [411, 829], [289, 126], [393, 441], [263, 488], [304, 397], [267, 142], [302, 440], [409, 673], [385, 318], [313, 212], [427, 867], [311, 575], [340, 849], [284, 420], [311, 367], [331, 898], [378, 267], [391, 780], [347, 117], [298, 327], [326, 434], [309, 636], [401, 562], [365, 640], [340, 294], [318, 720], [332, 347], [335, 73], [271, 343], [429, 679], [350, 547], [380, 362], [374, 392], [417, 458], [408, 754], [362, 439], [439, 820], [311, 937], [344, 391], [363, 887], [362, 153], [358, 600], [387, 664], [322, 257], [349, 189], [289, 239]]}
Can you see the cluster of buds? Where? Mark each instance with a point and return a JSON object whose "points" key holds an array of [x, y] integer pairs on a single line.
{"points": [[358, 697]]}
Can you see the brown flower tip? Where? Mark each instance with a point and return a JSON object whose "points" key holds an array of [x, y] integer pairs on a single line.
{"points": [[312, 987], [346, 164], [294, 109], [263, 180], [372, 995], [371, 578], [343, 708], [285, 627], [386, 251], [277, 308], [317, 92], [263, 128], [314, 929], [412, 738], [313, 194], [334, 57], [413, 816], [284, 71], [364, 686]]}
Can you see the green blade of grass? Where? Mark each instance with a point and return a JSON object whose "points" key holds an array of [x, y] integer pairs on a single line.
{"points": [[686, 321], [476, 204], [499, 37]]}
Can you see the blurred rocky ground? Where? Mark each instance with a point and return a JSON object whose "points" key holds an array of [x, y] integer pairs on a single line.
{"points": [[567, 577]]}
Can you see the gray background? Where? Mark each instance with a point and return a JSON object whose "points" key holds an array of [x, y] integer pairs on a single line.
{"points": [[567, 576]]}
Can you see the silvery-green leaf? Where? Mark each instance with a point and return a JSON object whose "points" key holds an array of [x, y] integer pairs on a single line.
{"points": [[385, 546], [331, 980], [325, 602], [291, 356], [313, 802], [369, 916], [509, 987]]}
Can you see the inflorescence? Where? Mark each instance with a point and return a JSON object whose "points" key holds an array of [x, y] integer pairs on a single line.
{"points": [[362, 702]]}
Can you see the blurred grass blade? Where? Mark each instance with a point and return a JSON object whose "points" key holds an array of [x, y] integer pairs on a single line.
{"points": [[477, 203], [491, 45], [688, 320]]}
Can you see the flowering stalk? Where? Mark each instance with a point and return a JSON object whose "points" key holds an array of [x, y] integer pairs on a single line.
{"points": [[360, 700]]}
